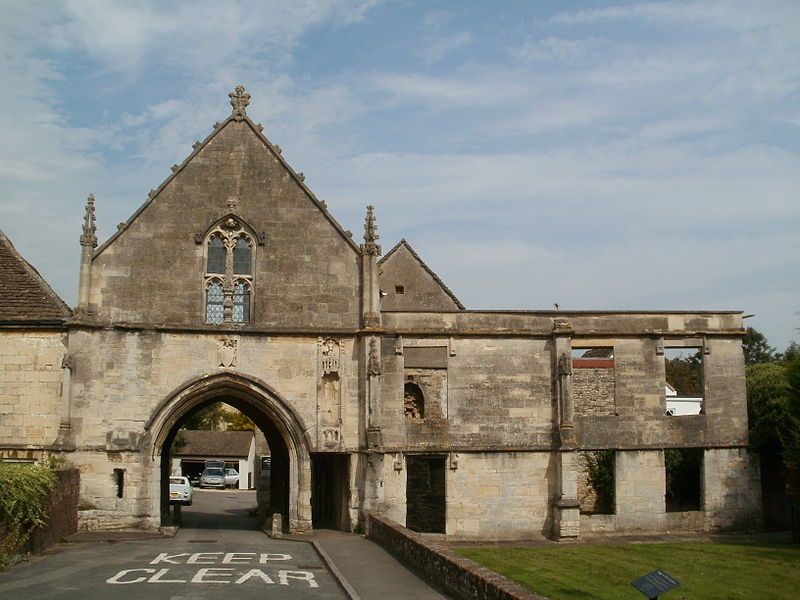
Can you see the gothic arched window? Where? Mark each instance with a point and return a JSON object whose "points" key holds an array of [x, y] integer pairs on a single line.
{"points": [[413, 401], [228, 279]]}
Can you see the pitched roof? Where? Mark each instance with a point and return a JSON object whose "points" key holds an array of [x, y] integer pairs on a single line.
{"points": [[258, 130], [430, 271], [25, 297], [215, 444]]}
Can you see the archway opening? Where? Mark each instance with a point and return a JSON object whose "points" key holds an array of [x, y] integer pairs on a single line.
{"points": [[258, 458]]}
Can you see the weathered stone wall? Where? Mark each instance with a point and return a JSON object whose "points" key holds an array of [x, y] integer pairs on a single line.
{"points": [[732, 490], [639, 490], [503, 495], [30, 387], [459, 577], [593, 392], [306, 274], [121, 377], [418, 289]]}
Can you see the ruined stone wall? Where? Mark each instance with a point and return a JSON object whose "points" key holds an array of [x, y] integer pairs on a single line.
{"points": [[495, 496], [498, 395], [593, 392], [306, 272], [732, 489], [30, 387], [639, 490]]}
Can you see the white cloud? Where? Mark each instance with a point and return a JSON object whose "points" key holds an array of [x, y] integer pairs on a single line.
{"points": [[554, 48]]}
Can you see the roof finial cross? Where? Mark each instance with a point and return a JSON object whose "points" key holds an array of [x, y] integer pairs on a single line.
{"points": [[370, 245], [239, 101], [89, 235]]}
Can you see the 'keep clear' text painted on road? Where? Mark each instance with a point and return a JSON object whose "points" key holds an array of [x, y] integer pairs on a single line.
{"points": [[238, 568]]}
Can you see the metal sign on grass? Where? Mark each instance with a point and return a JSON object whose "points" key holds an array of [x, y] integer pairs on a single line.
{"points": [[654, 584]]}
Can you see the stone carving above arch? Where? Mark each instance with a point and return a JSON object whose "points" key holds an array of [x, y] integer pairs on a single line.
{"points": [[231, 222]]}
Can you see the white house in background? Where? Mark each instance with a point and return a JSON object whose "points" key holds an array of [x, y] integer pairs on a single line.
{"points": [[236, 448], [681, 405]]}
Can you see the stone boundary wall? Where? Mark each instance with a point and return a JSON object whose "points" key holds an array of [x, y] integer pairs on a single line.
{"points": [[62, 509], [456, 575]]}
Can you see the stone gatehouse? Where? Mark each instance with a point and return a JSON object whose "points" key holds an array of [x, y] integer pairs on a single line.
{"points": [[375, 388]]}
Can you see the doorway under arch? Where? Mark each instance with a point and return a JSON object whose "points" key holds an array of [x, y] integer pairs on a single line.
{"points": [[290, 480]]}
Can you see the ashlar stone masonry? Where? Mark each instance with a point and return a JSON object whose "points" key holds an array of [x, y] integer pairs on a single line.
{"points": [[375, 388]]}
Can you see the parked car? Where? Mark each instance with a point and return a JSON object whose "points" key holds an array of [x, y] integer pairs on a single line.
{"points": [[194, 479], [212, 478], [231, 477], [180, 491]]}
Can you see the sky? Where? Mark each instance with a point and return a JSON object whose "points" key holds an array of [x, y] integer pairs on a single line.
{"points": [[602, 156]]}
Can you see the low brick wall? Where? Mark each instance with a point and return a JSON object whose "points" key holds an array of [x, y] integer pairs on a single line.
{"points": [[459, 577], [62, 509]]}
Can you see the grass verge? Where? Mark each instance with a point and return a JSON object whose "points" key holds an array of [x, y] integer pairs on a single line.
{"points": [[711, 571]]}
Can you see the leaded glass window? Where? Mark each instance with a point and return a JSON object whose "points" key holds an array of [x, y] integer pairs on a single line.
{"points": [[242, 257], [216, 255], [215, 301], [241, 302], [228, 277]]}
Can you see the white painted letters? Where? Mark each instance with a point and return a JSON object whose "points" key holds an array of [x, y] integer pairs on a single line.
{"points": [[285, 576], [255, 573], [202, 576], [116, 578]]}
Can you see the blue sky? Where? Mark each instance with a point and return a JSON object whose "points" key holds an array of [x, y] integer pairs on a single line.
{"points": [[631, 155]]}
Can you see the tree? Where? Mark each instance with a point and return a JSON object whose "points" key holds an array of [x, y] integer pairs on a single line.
{"points": [[790, 434], [685, 374], [219, 417], [756, 348], [767, 406]]}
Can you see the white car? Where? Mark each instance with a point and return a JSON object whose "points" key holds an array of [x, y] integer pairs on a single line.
{"points": [[180, 490], [231, 477]]}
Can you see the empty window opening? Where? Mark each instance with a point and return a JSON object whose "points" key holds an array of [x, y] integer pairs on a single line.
{"points": [[597, 482], [399, 289], [413, 401], [684, 468], [425, 494], [683, 387], [593, 381], [119, 481]]}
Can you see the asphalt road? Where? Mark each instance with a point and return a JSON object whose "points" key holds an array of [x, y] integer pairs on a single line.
{"points": [[218, 553]]}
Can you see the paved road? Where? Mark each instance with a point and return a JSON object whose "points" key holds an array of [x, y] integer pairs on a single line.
{"points": [[218, 553]]}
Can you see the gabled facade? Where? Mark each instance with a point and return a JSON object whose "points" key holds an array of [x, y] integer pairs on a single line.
{"points": [[375, 389]]}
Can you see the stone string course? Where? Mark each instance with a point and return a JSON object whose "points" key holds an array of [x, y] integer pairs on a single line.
{"points": [[459, 577]]}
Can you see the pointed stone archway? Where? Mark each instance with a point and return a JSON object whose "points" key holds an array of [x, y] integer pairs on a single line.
{"points": [[291, 464]]}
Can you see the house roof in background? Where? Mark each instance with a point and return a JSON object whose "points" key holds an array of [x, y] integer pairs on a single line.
{"points": [[25, 297], [214, 444]]}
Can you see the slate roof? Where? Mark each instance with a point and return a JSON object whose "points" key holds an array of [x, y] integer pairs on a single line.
{"points": [[25, 297], [430, 271], [215, 444]]}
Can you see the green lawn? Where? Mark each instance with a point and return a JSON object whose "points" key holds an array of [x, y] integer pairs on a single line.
{"points": [[707, 571]]}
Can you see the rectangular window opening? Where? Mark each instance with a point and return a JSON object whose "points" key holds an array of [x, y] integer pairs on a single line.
{"points": [[426, 494], [119, 480], [597, 482], [399, 289], [683, 368], [684, 467], [593, 381]]}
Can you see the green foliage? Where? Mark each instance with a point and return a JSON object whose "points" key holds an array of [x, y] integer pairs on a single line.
{"points": [[600, 474], [767, 406], [24, 496], [756, 348], [790, 434], [218, 417], [710, 571], [683, 466], [685, 374]]}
